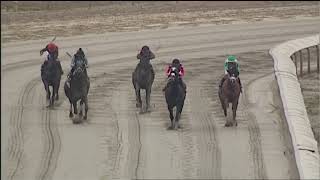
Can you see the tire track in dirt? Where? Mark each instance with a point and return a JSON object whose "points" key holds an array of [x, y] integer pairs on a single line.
{"points": [[16, 142], [199, 113]]}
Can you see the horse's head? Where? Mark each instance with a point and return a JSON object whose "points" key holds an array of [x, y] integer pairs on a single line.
{"points": [[79, 71], [233, 76], [174, 75]]}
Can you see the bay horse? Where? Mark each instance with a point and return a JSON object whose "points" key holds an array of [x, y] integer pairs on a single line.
{"points": [[229, 93]]}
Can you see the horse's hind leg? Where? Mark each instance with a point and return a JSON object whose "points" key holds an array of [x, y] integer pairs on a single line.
{"points": [[234, 110]]}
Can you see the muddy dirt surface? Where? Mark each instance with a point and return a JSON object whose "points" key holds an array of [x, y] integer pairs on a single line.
{"points": [[115, 17], [116, 142]]}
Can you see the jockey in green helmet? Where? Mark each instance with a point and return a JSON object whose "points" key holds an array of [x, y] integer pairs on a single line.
{"points": [[228, 61]]}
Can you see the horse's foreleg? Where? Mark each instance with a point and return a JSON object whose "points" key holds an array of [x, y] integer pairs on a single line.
{"points": [[138, 97], [86, 107], [148, 92], [171, 117], [234, 110], [54, 91], [226, 105], [75, 107], [48, 91], [57, 92], [177, 118], [81, 107], [70, 110]]}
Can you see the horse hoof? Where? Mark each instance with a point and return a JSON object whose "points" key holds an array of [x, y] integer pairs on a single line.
{"points": [[70, 115], [76, 122], [80, 114], [227, 125], [170, 128], [85, 117]]}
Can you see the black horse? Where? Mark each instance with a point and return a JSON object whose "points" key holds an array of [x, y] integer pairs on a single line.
{"points": [[142, 78], [229, 93], [78, 90], [175, 96], [51, 76]]}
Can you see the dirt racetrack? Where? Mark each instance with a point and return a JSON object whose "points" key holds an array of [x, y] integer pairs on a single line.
{"points": [[119, 143]]}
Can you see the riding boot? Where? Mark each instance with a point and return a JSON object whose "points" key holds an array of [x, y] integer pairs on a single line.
{"points": [[240, 84]]}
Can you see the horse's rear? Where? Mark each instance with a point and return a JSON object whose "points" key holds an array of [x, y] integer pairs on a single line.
{"points": [[142, 78], [229, 93]]}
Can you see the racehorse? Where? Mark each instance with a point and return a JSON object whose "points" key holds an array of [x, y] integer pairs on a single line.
{"points": [[175, 96], [142, 78], [229, 93], [78, 90], [51, 76]]}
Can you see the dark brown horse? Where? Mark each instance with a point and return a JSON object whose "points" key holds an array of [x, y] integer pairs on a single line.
{"points": [[51, 76], [142, 78], [78, 90], [229, 93], [175, 95]]}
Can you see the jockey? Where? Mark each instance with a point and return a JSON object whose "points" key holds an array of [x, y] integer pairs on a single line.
{"points": [[78, 57], [176, 63], [230, 59], [146, 54], [52, 51]]}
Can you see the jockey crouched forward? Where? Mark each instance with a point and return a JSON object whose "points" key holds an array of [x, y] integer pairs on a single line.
{"points": [[79, 57], [228, 61], [146, 54], [176, 63], [52, 55]]}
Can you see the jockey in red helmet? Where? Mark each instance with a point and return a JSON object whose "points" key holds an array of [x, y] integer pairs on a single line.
{"points": [[176, 63], [52, 50]]}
